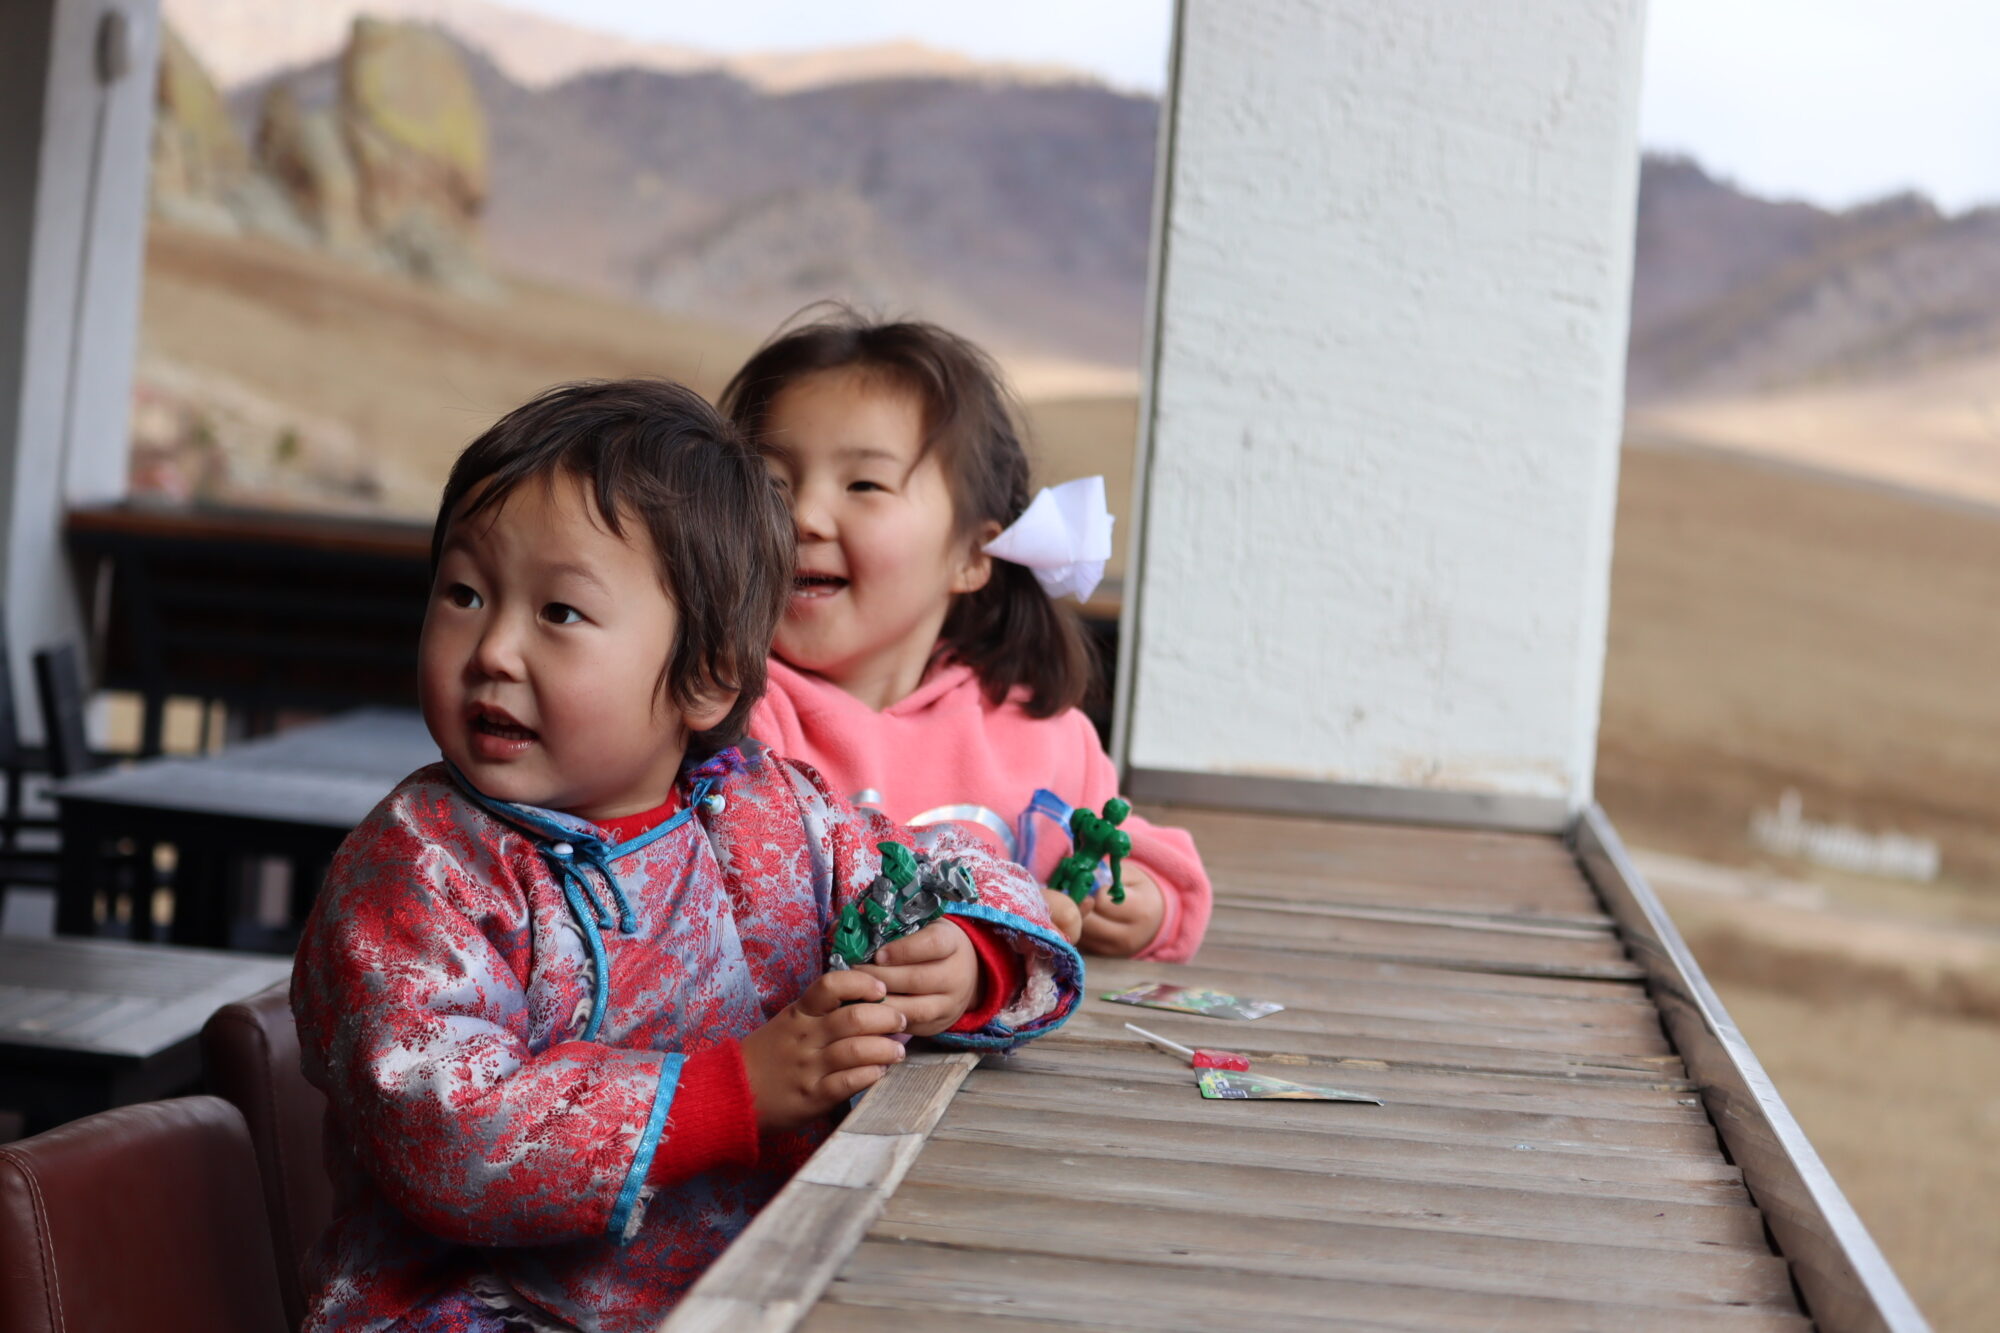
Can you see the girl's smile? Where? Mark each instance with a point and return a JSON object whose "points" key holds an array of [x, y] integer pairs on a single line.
{"points": [[811, 585], [880, 556]]}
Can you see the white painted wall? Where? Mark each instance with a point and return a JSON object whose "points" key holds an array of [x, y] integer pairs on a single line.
{"points": [[1387, 391], [74, 157]]}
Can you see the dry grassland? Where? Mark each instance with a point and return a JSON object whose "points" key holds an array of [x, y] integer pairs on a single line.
{"points": [[419, 372], [1775, 628]]}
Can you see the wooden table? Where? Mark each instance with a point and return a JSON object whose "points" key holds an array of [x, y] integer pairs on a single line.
{"points": [[1543, 1157], [90, 1024], [296, 795]]}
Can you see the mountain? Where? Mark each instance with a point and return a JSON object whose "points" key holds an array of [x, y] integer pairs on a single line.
{"points": [[1735, 294], [1016, 212]]}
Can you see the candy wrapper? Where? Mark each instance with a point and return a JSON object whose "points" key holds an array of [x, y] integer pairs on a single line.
{"points": [[1229, 1085], [1193, 1000]]}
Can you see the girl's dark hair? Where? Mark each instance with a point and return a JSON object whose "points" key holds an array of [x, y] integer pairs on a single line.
{"points": [[654, 451], [1010, 632]]}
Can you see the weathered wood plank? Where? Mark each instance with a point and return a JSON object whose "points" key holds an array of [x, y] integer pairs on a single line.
{"points": [[928, 1284], [771, 1275], [1298, 949], [1401, 993], [1477, 901], [1332, 969], [912, 1102], [1672, 1101], [1693, 1137], [1567, 926], [830, 1316], [1305, 927], [1529, 1214], [1623, 1175], [1308, 1034], [1105, 1020], [1187, 1234]]}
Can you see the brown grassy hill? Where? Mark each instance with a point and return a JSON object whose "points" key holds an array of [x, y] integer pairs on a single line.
{"points": [[1773, 626], [411, 373], [1733, 293]]}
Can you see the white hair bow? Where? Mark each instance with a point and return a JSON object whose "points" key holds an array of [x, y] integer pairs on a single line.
{"points": [[1064, 536]]}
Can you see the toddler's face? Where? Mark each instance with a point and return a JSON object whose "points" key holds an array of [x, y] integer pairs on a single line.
{"points": [[878, 561], [542, 652]]}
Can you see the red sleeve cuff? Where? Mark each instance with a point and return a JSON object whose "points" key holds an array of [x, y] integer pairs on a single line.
{"points": [[713, 1119], [1001, 975]]}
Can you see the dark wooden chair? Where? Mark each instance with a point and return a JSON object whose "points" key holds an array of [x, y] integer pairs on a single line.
{"points": [[59, 684], [60, 690], [29, 846]]}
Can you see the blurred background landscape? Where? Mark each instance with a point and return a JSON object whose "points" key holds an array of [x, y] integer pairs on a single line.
{"points": [[375, 227]]}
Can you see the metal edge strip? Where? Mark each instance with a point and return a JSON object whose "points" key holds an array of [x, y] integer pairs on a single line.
{"points": [[1130, 620], [1846, 1282], [1351, 800]]}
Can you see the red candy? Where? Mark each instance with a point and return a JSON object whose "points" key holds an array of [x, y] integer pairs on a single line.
{"points": [[1207, 1059]]}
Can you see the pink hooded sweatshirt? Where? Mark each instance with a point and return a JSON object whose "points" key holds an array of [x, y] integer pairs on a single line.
{"points": [[945, 744]]}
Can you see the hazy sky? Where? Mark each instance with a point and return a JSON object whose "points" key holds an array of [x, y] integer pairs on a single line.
{"points": [[1123, 42], [1830, 100]]}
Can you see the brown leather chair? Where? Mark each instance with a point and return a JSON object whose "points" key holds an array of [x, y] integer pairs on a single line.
{"points": [[251, 1053], [145, 1217]]}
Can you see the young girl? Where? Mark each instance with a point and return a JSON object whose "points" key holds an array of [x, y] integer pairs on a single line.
{"points": [[565, 992], [915, 671]]}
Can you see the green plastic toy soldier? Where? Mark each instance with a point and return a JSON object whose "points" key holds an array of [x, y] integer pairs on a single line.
{"points": [[907, 896], [1092, 839]]}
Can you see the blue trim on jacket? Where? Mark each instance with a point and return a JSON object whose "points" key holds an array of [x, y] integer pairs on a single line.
{"points": [[997, 1036], [649, 1143], [578, 842]]}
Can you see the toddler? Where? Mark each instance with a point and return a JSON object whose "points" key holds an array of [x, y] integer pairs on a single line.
{"points": [[915, 670], [566, 990]]}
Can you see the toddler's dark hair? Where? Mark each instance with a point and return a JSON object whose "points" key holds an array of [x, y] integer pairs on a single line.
{"points": [[657, 452], [1010, 632]]}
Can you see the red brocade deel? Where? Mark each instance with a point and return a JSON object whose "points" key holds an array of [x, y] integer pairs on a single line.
{"points": [[528, 1037]]}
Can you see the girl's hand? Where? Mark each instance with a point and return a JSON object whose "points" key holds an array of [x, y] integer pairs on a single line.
{"points": [[1065, 915], [820, 1050], [1119, 930], [932, 976]]}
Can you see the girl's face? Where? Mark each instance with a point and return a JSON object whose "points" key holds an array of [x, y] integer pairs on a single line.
{"points": [[878, 559], [541, 657]]}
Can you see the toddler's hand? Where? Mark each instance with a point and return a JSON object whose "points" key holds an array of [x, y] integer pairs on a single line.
{"points": [[1119, 930], [821, 1050], [932, 976], [1065, 915]]}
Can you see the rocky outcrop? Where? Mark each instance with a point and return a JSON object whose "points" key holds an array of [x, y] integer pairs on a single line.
{"points": [[304, 154], [392, 171], [417, 134], [199, 160]]}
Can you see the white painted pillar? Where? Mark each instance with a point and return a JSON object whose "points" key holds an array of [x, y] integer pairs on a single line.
{"points": [[1383, 421], [76, 115]]}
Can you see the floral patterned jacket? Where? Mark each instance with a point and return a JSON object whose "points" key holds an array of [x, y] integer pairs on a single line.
{"points": [[528, 1037]]}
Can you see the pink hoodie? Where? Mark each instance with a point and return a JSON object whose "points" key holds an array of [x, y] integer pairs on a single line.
{"points": [[946, 745]]}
